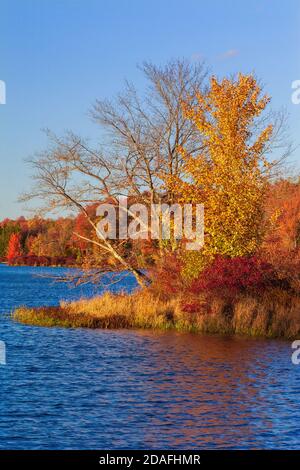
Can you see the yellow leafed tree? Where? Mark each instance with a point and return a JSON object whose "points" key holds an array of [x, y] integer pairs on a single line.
{"points": [[230, 173]]}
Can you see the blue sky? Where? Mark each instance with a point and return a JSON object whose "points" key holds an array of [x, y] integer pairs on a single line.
{"points": [[58, 56]]}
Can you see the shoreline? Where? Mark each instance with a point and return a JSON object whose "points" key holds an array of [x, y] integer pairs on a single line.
{"points": [[274, 314]]}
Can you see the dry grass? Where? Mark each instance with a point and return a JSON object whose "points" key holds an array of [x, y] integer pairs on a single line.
{"points": [[274, 314], [137, 310]]}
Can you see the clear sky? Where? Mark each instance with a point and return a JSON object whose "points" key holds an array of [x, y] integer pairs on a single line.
{"points": [[58, 56]]}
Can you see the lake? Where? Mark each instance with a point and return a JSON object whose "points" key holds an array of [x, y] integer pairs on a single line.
{"points": [[95, 389]]}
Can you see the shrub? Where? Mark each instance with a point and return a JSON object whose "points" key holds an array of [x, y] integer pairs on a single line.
{"points": [[166, 277], [228, 277], [287, 266]]}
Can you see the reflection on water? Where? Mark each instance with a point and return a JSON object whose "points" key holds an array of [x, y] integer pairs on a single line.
{"points": [[139, 389]]}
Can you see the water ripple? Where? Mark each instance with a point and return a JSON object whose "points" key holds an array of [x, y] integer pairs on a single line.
{"points": [[84, 389]]}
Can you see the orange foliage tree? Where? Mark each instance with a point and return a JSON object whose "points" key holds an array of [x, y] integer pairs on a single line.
{"points": [[283, 203], [14, 247], [281, 244]]}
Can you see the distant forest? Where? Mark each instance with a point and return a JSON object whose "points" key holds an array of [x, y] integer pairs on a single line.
{"points": [[57, 242]]}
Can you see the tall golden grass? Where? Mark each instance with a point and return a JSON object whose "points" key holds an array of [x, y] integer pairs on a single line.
{"points": [[276, 313]]}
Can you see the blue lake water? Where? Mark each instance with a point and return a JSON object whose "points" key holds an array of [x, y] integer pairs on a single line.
{"points": [[89, 389]]}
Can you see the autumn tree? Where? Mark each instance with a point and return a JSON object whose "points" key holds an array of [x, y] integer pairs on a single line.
{"points": [[7, 228], [143, 133], [229, 175], [281, 244], [14, 247], [283, 206]]}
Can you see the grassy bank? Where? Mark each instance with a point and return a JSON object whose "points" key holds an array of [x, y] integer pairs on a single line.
{"points": [[275, 313]]}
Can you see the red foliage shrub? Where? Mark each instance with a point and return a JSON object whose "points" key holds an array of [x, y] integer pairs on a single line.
{"points": [[229, 276]]}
